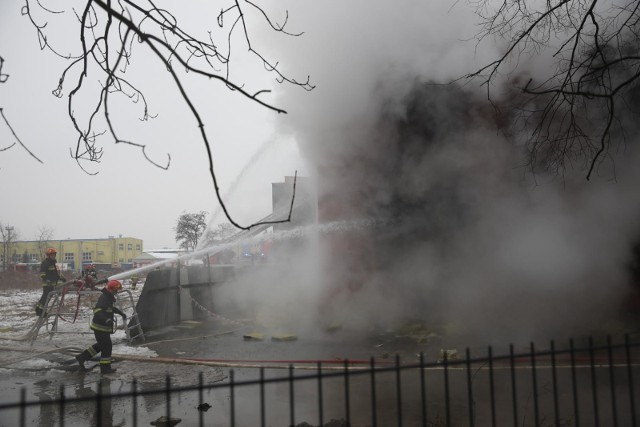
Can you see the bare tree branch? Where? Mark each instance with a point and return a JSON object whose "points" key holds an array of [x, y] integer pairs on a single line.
{"points": [[3, 79], [158, 30], [594, 59], [16, 137]]}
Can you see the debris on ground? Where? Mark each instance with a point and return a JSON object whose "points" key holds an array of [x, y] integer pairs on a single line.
{"points": [[284, 337], [163, 421], [448, 354], [253, 336], [418, 332], [204, 407], [333, 327]]}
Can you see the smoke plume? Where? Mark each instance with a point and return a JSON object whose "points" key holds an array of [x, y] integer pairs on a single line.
{"points": [[458, 233]]}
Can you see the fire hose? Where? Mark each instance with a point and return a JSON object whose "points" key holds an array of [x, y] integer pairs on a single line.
{"points": [[299, 364], [219, 363]]}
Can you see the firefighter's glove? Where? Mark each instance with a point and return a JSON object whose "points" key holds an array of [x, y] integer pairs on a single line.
{"points": [[102, 281]]}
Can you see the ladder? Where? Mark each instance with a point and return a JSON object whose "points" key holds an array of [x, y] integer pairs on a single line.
{"points": [[133, 327], [67, 305]]}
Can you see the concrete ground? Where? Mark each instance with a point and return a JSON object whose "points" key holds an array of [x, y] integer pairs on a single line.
{"points": [[213, 349], [219, 347]]}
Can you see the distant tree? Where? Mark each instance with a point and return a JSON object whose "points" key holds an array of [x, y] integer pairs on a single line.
{"points": [[189, 229], [220, 235], [575, 112], [8, 234], [45, 234]]}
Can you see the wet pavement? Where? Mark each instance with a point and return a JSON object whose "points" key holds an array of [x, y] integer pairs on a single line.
{"points": [[210, 352], [204, 351]]}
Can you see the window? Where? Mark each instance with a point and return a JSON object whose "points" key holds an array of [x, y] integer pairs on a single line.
{"points": [[137, 247], [129, 260], [121, 246], [129, 246], [33, 257], [68, 256], [121, 260], [86, 256]]}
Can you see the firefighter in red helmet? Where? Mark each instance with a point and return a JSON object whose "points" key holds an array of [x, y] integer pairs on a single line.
{"points": [[89, 270], [89, 275], [50, 276], [102, 326]]}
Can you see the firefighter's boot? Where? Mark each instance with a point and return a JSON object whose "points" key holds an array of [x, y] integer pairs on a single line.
{"points": [[81, 358], [105, 368]]}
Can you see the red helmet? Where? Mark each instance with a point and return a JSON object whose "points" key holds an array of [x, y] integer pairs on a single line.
{"points": [[114, 286], [51, 251]]}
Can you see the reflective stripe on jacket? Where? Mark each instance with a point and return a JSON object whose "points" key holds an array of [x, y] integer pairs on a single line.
{"points": [[49, 271], [103, 312]]}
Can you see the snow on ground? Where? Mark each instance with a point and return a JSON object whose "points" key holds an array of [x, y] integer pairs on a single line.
{"points": [[72, 328]]}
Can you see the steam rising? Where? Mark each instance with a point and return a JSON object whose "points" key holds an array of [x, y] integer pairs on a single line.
{"points": [[472, 241], [426, 210]]}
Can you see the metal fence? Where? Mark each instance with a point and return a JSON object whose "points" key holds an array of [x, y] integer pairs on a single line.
{"points": [[582, 383]]}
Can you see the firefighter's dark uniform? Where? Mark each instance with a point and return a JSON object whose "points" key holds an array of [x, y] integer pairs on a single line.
{"points": [[102, 325], [49, 275], [89, 272], [90, 277]]}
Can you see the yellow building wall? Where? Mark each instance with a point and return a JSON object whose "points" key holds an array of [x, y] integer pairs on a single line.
{"points": [[117, 252]]}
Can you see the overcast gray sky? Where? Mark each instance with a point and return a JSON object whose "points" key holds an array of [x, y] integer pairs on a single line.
{"points": [[128, 196]]}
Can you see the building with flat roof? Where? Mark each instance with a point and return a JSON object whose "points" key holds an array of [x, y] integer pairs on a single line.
{"points": [[110, 253]]}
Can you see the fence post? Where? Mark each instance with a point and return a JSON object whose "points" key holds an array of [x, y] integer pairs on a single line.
{"points": [[423, 391], [346, 392], [445, 361], [398, 391], [200, 398], [320, 414], [632, 401], [168, 397], [556, 406], [99, 403], [594, 383], [374, 407], [514, 396], [291, 397], [534, 380], [232, 402], [134, 386], [262, 408], [492, 390], [576, 413], [23, 407]]}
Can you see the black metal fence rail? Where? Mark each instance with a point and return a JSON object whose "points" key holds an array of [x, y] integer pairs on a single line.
{"points": [[591, 385]]}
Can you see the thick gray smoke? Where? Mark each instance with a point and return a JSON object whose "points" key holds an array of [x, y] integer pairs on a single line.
{"points": [[465, 238]]}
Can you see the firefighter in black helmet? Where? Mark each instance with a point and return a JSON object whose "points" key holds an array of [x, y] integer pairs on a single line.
{"points": [[102, 326], [50, 275]]}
